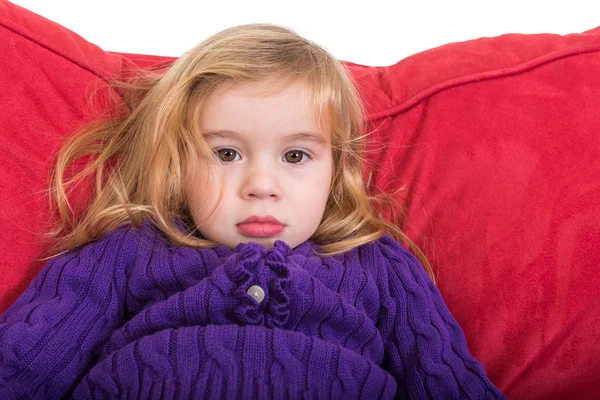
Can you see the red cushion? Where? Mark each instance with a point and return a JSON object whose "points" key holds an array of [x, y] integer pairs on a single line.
{"points": [[496, 142], [493, 139]]}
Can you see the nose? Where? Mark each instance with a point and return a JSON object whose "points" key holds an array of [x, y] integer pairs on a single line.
{"points": [[261, 184]]}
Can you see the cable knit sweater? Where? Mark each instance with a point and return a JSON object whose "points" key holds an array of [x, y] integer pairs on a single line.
{"points": [[131, 316]]}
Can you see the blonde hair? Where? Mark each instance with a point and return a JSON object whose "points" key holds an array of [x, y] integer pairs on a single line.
{"points": [[139, 160]]}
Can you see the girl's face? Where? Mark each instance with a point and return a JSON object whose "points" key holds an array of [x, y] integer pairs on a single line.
{"points": [[277, 166]]}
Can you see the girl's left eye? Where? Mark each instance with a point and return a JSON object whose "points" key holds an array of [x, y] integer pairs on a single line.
{"points": [[296, 157]]}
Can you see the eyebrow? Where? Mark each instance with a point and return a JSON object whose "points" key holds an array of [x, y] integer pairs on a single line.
{"points": [[300, 136]]}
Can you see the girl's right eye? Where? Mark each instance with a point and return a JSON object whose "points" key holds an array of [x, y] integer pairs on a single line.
{"points": [[227, 155]]}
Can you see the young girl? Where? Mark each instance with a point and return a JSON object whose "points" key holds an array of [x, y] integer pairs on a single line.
{"points": [[230, 249]]}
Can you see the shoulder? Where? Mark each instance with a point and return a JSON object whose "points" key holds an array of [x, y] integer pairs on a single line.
{"points": [[391, 248], [88, 268], [386, 248], [119, 246], [393, 263]]}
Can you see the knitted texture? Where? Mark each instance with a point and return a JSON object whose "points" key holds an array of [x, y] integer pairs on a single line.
{"points": [[131, 316]]}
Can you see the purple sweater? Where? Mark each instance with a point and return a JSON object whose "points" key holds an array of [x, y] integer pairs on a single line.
{"points": [[131, 316]]}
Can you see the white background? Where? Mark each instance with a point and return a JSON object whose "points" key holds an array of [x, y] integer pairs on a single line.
{"points": [[369, 32]]}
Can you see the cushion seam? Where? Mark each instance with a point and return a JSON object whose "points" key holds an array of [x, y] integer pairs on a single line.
{"points": [[28, 35], [482, 76]]}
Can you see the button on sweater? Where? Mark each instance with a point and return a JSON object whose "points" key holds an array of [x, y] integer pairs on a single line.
{"points": [[132, 316]]}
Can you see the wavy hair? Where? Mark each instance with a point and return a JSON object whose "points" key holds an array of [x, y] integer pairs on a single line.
{"points": [[138, 161]]}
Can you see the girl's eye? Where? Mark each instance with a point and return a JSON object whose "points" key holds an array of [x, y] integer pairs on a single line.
{"points": [[293, 157], [227, 155], [296, 156]]}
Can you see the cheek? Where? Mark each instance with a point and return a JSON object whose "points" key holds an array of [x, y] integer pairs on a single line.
{"points": [[224, 209], [312, 194], [203, 193]]}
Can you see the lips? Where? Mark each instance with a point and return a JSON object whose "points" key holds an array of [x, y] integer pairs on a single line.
{"points": [[266, 219], [260, 226]]}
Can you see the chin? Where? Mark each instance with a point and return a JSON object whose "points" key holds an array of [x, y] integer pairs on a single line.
{"points": [[267, 242]]}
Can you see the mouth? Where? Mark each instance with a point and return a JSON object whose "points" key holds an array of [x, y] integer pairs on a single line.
{"points": [[257, 229], [257, 226]]}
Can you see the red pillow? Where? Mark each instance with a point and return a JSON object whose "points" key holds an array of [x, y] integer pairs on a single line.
{"points": [[47, 75], [494, 140]]}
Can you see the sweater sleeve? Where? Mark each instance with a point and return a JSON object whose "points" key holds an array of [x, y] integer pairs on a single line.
{"points": [[425, 348], [56, 327]]}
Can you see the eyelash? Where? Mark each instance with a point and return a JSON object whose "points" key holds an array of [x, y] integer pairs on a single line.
{"points": [[308, 157]]}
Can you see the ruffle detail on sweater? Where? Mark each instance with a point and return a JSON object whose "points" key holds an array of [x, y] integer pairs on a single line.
{"points": [[245, 271], [279, 305]]}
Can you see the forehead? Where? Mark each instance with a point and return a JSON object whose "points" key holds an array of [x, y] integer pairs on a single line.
{"points": [[264, 88], [294, 97], [263, 105]]}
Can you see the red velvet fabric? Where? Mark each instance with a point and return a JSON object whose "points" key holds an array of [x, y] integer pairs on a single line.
{"points": [[495, 141]]}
